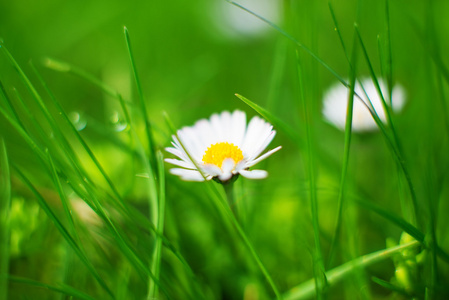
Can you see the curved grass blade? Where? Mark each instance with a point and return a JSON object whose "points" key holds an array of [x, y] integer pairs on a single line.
{"points": [[62, 288], [5, 204], [307, 289]]}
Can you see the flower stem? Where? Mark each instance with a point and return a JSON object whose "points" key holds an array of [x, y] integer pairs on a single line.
{"points": [[229, 189]]}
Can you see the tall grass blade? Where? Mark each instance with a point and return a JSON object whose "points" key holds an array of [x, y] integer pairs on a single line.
{"points": [[5, 205], [143, 107], [347, 146], [307, 289], [156, 266], [319, 269]]}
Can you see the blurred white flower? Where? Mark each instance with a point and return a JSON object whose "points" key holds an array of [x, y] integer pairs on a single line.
{"points": [[222, 147], [234, 21], [336, 98]]}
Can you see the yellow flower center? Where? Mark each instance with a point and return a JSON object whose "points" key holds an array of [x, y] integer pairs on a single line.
{"points": [[217, 153]]}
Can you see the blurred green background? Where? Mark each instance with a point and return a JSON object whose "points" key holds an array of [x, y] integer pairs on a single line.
{"points": [[192, 57]]}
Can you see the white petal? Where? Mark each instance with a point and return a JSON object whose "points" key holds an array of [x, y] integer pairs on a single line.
{"points": [[258, 130], [212, 170], [188, 175], [226, 125], [254, 174], [180, 163], [179, 153], [227, 167], [262, 146], [238, 124], [262, 157]]}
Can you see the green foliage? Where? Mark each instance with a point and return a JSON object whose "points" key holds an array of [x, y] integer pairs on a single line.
{"points": [[88, 209]]}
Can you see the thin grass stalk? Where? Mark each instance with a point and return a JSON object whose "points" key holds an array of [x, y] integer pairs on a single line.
{"points": [[156, 266], [5, 224], [65, 203], [346, 154], [389, 56], [151, 144], [319, 269], [307, 289], [9, 105]]}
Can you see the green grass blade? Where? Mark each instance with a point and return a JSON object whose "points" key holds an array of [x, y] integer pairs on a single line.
{"points": [[275, 121], [62, 288], [153, 289], [347, 146], [151, 144], [5, 204], [395, 144], [307, 289], [51, 215], [319, 269], [65, 202]]}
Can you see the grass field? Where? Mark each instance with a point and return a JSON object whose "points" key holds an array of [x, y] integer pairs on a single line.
{"points": [[92, 92]]}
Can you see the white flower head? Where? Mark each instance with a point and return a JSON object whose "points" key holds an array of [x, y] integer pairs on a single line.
{"points": [[221, 147], [336, 100]]}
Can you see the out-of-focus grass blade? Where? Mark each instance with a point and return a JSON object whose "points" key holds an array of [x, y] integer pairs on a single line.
{"points": [[5, 204], [347, 146], [275, 121], [307, 289], [319, 269], [51, 215], [62, 288], [277, 74]]}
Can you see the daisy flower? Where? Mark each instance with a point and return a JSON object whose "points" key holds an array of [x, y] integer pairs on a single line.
{"points": [[221, 147], [336, 100]]}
